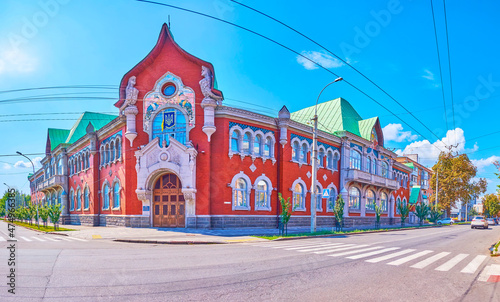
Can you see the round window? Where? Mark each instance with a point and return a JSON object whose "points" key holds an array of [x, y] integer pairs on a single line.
{"points": [[169, 89]]}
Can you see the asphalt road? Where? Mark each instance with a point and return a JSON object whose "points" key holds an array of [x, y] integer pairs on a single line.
{"points": [[438, 264]]}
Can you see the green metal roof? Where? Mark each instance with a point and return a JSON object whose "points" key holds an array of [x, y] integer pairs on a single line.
{"points": [[59, 136], [410, 164], [336, 115], [415, 192]]}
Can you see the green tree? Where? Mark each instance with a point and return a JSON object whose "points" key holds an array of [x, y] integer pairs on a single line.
{"points": [[421, 210], [54, 214], [30, 212], [435, 213], [3, 203], [456, 174], [338, 210], [378, 213], [286, 213], [491, 205], [404, 211], [473, 212], [44, 214]]}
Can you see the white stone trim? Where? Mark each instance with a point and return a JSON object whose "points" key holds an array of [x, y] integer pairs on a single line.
{"points": [[330, 186], [304, 194], [105, 182], [269, 191], [112, 189], [249, 189]]}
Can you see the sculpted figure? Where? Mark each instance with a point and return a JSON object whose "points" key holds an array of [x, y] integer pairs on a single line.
{"points": [[130, 94], [206, 84]]}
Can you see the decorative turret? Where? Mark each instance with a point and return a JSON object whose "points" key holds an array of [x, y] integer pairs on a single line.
{"points": [[283, 120], [210, 101]]}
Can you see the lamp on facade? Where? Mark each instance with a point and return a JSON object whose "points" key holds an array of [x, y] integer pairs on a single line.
{"points": [[315, 159]]}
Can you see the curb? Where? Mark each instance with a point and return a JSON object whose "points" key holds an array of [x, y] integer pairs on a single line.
{"points": [[169, 242], [348, 234], [40, 231]]}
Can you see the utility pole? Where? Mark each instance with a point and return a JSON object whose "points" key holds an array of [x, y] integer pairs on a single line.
{"points": [[32, 165], [437, 188], [314, 159]]}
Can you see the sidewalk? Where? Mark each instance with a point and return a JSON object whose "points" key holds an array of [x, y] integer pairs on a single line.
{"points": [[187, 236]]}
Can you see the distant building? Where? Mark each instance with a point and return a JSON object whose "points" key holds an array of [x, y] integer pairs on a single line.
{"points": [[176, 156]]}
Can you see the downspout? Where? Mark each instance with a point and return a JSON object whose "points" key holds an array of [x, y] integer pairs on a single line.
{"points": [[278, 179], [98, 186]]}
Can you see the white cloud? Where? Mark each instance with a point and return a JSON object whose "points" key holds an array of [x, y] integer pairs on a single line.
{"points": [[26, 164], [6, 166], [428, 152], [484, 162], [394, 132], [324, 59], [428, 75], [16, 61]]}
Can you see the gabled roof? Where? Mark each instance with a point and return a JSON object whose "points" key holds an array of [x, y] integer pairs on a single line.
{"points": [[338, 115], [55, 137], [165, 38]]}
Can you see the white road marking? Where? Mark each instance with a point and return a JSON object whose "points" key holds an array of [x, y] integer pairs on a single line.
{"points": [[25, 239], [50, 239], [333, 245], [430, 260], [294, 245], [312, 246], [355, 251], [390, 256], [474, 264], [373, 253], [343, 248], [452, 262], [74, 238], [36, 238], [493, 269], [64, 238], [409, 258]]}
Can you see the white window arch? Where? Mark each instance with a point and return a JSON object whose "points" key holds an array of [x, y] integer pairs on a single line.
{"points": [[72, 200], [304, 150], [368, 164], [354, 198], [257, 145], [385, 169], [245, 146], [355, 160], [319, 197], [86, 197], [374, 166], [112, 151], [235, 141], [299, 190], [383, 201], [269, 147], [241, 186], [398, 201], [263, 189], [332, 199], [296, 151], [105, 195], [370, 199], [116, 193], [118, 146], [78, 199]]}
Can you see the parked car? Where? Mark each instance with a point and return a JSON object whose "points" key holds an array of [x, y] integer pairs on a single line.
{"points": [[479, 222], [445, 221], [491, 221]]}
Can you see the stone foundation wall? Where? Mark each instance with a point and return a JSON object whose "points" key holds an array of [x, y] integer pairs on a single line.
{"points": [[83, 220], [107, 220]]}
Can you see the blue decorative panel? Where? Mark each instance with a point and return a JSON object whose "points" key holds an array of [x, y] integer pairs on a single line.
{"points": [[374, 151], [243, 126], [357, 147], [293, 135], [119, 133], [79, 152], [145, 208]]}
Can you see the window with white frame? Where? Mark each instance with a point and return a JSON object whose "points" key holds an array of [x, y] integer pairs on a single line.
{"points": [[354, 198], [299, 197], [116, 195], [105, 193], [398, 202], [385, 169], [262, 196], [86, 203], [268, 147], [368, 164], [303, 153], [78, 199], [370, 199], [319, 199], [235, 139], [246, 143], [374, 167], [332, 199], [118, 147], [383, 201], [257, 145], [355, 160], [321, 158], [296, 151], [240, 194], [60, 166], [112, 151], [329, 160], [336, 158], [72, 200], [59, 198]]}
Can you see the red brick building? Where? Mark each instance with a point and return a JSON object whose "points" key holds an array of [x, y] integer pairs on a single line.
{"points": [[176, 156]]}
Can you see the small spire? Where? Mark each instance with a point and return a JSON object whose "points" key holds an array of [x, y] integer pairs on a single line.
{"points": [[168, 21]]}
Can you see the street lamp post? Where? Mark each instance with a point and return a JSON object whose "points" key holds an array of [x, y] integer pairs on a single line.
{"points": [[32, 165], [315, 159]]}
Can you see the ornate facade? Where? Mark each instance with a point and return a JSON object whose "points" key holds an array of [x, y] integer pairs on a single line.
{"points": [[176, 156]]}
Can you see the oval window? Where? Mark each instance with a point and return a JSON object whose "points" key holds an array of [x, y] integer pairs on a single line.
{"points": [[169, 89]]}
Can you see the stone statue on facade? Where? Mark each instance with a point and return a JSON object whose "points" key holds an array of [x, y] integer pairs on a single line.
{"points": [[206, 85], [131, 94]]}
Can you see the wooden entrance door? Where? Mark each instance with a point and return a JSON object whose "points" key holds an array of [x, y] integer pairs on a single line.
{"points": [[168, 202]]}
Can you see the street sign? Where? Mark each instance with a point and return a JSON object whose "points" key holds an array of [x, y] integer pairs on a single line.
{"points": [[326, 193]]}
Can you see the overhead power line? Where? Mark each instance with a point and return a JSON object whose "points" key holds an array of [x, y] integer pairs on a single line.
{"points": [[293, 51], [449, 66], [342, 60]]}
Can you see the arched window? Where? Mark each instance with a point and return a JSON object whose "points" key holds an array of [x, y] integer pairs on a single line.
{"points": [[268, 147], [53, 199], [374, 166], [87, 199], [108, 155], [88, 160], [383, 201], [59, 199], [112, 151], [105, 196], [335, 161], [72, 200], [257, 145], [169, 123], [102, 156], [319, 199], [118, 146], [321, 158], [303, 154], [60, 166], [370, 199], [385, 169], [246, 143], [398, 202], [368, 165], [262, 198], [296, 151], [354, 196], [332, 199], [235, 140], [355, 160], [329, 160], [116, 195], [78, 199], [299, 197], [240, 194]]}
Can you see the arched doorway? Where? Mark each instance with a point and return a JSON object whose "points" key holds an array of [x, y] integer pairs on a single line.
{"points": [[168, 202]]}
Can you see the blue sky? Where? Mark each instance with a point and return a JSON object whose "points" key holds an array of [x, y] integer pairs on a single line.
{"points": [[68, 42]]}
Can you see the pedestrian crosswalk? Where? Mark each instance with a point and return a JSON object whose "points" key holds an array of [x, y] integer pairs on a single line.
{"points": [[389, 255], [44, 239]]}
